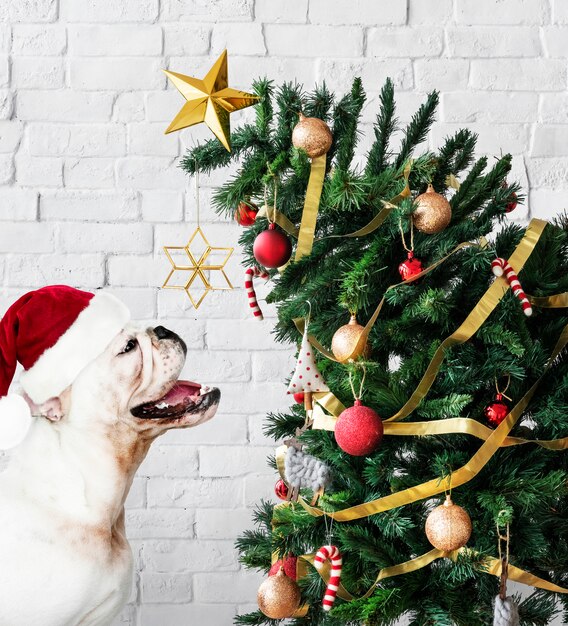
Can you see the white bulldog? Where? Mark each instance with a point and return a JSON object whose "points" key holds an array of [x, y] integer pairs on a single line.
{"points": [[64, 556]]}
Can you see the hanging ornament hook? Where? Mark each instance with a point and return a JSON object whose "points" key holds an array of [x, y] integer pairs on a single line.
{"points": [[501, 392]]}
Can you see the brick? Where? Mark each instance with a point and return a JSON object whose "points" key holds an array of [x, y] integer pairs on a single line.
{"points": [[222, 523], [192, 10], [165, 587], [170, 461], [281, 11], [5, 37], [149, 173], [137, 495], [185, 39], [141, 302], [233, 461], [259, 486], [158, 523], [405, 42], [338, 74], [6, 104], [162, 206], [443, 74], [242, 39], [135, 271], [239, 335], [559, 12], [548, 172], [266, 368], [436, 12], [18, 204], [194, 494], [518, 74], [159, 614], [64, 106], [106, 237], [149, 139], [222, 429], [162, 106], [492, 107], [37, 72], [121, 74], [256, 425], [115, 40], [24, 237], [39, 171], [10, 135], [245, 69], [492, 138], [6, 169], [216, 367], [36, 40], [313, 41], [546, 203], [550, 141], [129, 107], [555, 38], [502, 12], [109, 12], [190, 555], [362, 12], [32, 11], [273, 395], [554, 108], [4, 71], [35, 271], [126, 617], [89, 172], [76, 140], [494, 41], [236, 586], [89, 206]]}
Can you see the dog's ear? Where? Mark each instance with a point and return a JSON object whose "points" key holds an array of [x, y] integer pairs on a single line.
{"points": [[52, 409]]}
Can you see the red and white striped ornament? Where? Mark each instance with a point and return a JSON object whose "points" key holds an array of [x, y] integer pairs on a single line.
{"points": [[332, 554], [250, 273], [499, 267]]}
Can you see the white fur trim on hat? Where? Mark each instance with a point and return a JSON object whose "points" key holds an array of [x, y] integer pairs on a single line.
{"points": [[88, 337], [15, 421]]}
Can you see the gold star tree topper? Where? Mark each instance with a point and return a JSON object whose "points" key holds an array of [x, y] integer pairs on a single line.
{"points": [[210, 100]]}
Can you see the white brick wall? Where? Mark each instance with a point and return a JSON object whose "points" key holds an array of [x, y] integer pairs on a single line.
{"points": [[90, 190]]}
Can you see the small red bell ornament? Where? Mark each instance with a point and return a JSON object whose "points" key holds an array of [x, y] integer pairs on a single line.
{"points": [[245, 215], [272, 248], [496, 411], [410, 267]]}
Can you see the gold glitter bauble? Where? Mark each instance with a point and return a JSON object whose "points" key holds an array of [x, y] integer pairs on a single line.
{"points": [[433, 212], [279, 596], [344, 342], [312, 135], [448, 527]]}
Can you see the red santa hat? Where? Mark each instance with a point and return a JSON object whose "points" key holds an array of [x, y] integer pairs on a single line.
{"points": [[53, 333]]}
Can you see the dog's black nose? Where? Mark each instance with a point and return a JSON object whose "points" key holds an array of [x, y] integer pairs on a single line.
{"points": [[164, 333]]}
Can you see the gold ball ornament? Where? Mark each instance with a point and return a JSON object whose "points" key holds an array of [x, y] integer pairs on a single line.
{"points": [[433, 212], [279, 596], [312, 135], [344, 343], [448, 527]]}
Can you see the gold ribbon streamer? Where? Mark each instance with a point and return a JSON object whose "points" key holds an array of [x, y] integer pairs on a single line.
{"points": [[458, 477], [311, 207], [557, 301], [278, 217]]}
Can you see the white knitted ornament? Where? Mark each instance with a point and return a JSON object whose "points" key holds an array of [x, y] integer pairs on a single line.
{"points": [[304, 471], [506, 612]]}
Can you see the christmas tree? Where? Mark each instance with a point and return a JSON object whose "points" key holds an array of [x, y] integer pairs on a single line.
{"points": [[442, 346]]}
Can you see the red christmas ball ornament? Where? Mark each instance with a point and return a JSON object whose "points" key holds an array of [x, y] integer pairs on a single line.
{"points": [[299, 397], [358, 430], [512, 203], [281, 490], [289, 565], [409, 268], [272, 248], [496, 411], [246, 213]]}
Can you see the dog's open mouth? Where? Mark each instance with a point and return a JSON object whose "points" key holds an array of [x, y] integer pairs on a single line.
{"points": [[183, 398]]}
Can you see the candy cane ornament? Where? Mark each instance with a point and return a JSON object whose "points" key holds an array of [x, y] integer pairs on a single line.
{"points": [[251, 273], [499, 267], [332, 554]]}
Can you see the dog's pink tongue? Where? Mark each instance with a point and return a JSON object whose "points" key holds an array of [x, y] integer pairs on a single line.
{"points": [[181, 390]]}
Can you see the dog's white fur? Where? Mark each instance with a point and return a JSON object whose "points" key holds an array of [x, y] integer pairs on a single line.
{"points": [[64, 556]]}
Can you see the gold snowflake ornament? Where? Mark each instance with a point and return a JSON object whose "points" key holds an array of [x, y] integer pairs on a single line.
{"points": [[198, 267]]}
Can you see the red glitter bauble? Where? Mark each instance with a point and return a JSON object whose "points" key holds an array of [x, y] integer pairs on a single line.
{"points": [[246, 213], [281, 489], [289, 565], [497, 411], [409, 268], [272, 248], [358, 430], [299, 397]]}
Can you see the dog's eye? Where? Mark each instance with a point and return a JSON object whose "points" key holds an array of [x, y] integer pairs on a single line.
{"points": [[130, 345]]}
